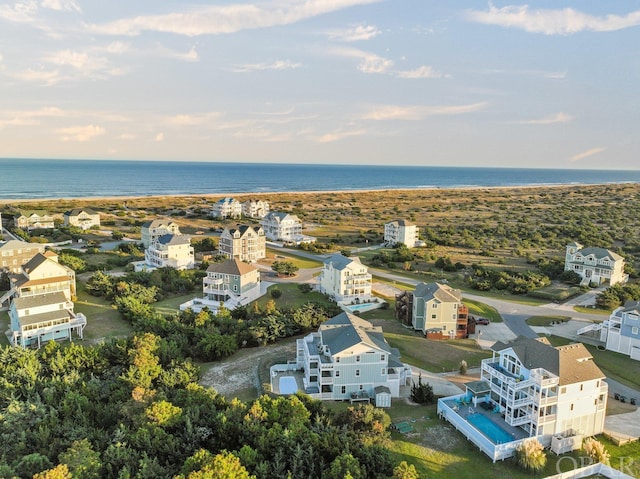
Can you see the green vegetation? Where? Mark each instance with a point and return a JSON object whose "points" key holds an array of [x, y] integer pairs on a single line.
{"points": [[546, 320], [292, 297], [478, 308]]}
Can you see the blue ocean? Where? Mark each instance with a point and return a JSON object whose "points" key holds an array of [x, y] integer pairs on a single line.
{"points": [[50, 179]]}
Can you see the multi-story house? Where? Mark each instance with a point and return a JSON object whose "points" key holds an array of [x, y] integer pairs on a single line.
{"points": [[14, 254], [41, 307], [152, 230], [227, 208], [622, 331], [83, 218], [246, 243], [438, 312], [33, 220], [529, 388], [231, 283], [595, 265], [346, 280], [401, 232], [282, 227], [255, 209], [173, 251], [348, 358]]}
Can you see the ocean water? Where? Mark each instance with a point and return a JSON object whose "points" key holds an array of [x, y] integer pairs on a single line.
{"points": [[50, 179]]}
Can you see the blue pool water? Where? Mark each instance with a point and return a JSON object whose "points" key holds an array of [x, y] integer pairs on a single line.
{"points": [[288, 385], [495, 433]]}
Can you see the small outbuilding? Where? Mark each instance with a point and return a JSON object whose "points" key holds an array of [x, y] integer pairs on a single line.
{"points": [[382, 396]]}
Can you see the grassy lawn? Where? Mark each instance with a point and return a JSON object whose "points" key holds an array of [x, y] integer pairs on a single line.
{"points": [[300, 261], [477, 308], [546, 320], [292, 297], [172, 305], [582, 309], [614, 365], [103, 320]]}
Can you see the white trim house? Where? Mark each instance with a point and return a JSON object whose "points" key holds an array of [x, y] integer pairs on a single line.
{"points": [[173, 251], [595, 265], [255, 209], [14, 254], [346, 280], [152, 230], [284, 227], [244, 242], [401, 232], [622, 331], [226, 208], [438, 311], [348, 358], [82, 218], [32, 220]]}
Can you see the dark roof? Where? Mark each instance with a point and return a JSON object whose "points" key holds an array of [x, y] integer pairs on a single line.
{"points": [[478, 387], [170, 239], [631, 306], [242, 229], [40, 300], [441, 292], [34, 262], [600, 253], [347, 330], [382, 390], [340, 262], [571, 363], [231, 266], [42, 317], [404, 223]]}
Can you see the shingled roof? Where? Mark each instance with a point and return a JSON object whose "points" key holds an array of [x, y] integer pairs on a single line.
{"points": [[441, 292], [340, 262], [346, 330], [231, 266]]}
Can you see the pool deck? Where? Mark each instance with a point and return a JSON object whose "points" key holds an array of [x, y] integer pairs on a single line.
{"points": [[496, 418], [275, 380]]}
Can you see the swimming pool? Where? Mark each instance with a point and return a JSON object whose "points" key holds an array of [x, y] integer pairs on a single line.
{"points": [[495, 433], [288, 385]]}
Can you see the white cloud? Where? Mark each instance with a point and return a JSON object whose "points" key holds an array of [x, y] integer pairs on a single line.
{"points": [[159, 137], [369, 62], [46, 77], [586, 154], [339, 135], [127, 136], [355, 34], [81, 133], [548, 120], [28, 117], [277, 65], [422, 72], [413, 113], [19, 12], [192, 120], [78, 60], [117, 48], [552, 22], [220, 19], [61, 5]]}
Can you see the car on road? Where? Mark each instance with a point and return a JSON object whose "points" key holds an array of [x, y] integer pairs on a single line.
{"points": [[482, 321]]}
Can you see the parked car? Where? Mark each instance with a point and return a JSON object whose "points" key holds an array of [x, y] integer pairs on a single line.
{"points": [[483, 321]]}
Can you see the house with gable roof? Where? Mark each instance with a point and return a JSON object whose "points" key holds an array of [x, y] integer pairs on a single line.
{"points": [[255, 208], [227, 208], [345, 279], [348, 358], [83, 218], [244, 242], [169, 250], [152, 230], [231, 283], [437, 311], [595, 265], [284, 227], [529, 388], [41, 307], [401, 232], [14, 254], [33, 220]]}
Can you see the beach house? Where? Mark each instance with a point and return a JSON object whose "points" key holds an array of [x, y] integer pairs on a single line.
{"points": [[621, 332], [169, 250], [255, 209], [348, 358], [226, 208], [152, 230], [401, 232], [246, 243], [82, 218], [282, 227], [345, 279], [14, 254], [595, 265], [33, 220]]}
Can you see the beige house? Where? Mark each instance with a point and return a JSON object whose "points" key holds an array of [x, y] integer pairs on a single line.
{"points": [[33, 220], [284, 227], [255, 209], [438, 311], [231, 283], [82, 218], [152, 230], [41, 307], [346, 280], [401, 232], [246, 243], [14, 254], [169, 250], [595, 265]]}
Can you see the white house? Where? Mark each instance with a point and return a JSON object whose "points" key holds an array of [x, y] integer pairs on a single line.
{"points": [[246, 243], [41, 307], [529, 388], [82, 218], [169, 250], [595, 265], [346, 280], [14, 254], [152, 230], [348, 358], [232, 283], [226, 208], [438, 312], [401, 232], [622, 331], [284, 227], [255, 209], [32, 220]]}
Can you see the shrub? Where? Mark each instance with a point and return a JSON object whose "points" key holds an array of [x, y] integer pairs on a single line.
{"points": [[595, 450], [275, 293], [422, 393], [530, 455], [463, 367]]}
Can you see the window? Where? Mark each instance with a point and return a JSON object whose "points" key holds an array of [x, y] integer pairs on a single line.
{"points": [[337, 373], [634, 330], [382, 357], [571, 407], [357, 373], [337, 359], [563, 390], [361, 387], [344, 390], [434, 316], [435, 305], [581, 387], [384, 371], [357, 359]]}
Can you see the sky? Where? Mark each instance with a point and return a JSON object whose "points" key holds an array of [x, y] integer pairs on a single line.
{"points": [[402, 82]]}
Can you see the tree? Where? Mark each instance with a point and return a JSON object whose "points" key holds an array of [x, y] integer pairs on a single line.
{"points": [[59, 472], [343, 467], [83, 462], [284, 268], [463, 367], [405, 471], [221, 466], [422, 393], [117, 235], [530, 455]]}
